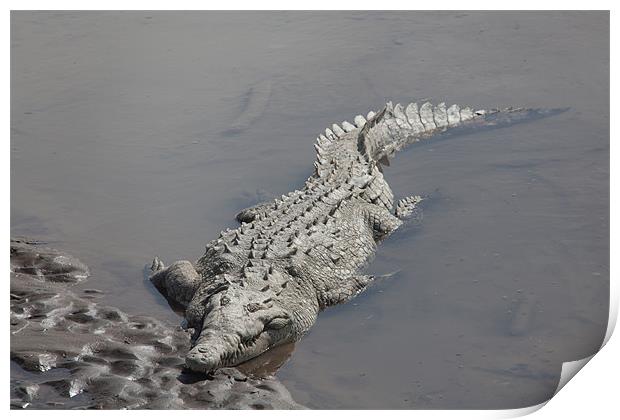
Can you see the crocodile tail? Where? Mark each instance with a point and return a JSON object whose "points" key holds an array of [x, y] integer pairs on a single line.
{"points": [[395, 127]]}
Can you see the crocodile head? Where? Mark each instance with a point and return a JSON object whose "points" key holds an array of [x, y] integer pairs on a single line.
{"points": [[235, 323]]}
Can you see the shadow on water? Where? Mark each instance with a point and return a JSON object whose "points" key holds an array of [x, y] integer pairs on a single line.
{"points": [[268, 363]]}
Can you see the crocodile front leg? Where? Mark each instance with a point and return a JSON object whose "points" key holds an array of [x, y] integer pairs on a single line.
{"points": [[177, 282], [345, 291]]}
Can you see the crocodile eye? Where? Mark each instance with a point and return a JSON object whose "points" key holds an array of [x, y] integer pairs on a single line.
{"points": [[222, 267], [224, 301], [277, 323]]}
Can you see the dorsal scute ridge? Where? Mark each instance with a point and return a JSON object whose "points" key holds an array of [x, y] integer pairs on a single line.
{"points": [[379, 135], [347, 126], [395, 126], [399, 112], [326, 164], [337, 130]]}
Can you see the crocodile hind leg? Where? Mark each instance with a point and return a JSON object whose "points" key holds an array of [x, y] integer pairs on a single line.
{"points": [[408, 207], [177, 283], [381, 221]]}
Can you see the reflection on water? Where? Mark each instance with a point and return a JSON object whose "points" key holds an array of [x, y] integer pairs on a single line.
{"points": [[143, 133], [268, 363]]}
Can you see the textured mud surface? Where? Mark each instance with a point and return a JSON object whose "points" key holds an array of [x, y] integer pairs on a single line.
{"points": [[69, 351]]}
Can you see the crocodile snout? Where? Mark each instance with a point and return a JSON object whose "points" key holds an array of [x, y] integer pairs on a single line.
{"points": [[201, 362]]}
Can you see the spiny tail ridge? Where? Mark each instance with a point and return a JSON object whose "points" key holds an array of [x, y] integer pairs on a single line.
{"points": [[382, 134], [396, 127]]}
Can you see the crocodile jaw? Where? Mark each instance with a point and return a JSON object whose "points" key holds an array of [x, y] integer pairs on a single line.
{"points": [[215, 349]]}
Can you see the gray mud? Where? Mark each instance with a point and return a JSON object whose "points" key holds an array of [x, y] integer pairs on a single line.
{"points": [[70, 351], [143, 133]]}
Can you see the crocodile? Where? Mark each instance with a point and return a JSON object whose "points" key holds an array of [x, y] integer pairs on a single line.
{"points": [[264, 283]]}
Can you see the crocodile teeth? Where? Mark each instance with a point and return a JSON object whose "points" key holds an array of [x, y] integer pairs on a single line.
{"points": [[370, 115], [359, 121]]}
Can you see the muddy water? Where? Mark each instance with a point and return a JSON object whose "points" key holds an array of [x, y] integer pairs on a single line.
{"points": [[135, 134]]}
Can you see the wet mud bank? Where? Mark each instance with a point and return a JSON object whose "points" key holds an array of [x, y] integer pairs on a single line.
{"points": [[68, 350]]}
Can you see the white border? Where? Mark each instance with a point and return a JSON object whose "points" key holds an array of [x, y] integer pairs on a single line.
{"points": [[594, 393], [313, 5]]}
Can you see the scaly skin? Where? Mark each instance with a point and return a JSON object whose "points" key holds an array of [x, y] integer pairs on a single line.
{"points": [[264, 283]]}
